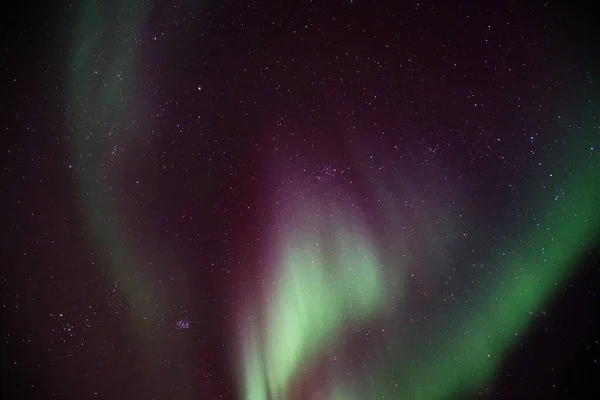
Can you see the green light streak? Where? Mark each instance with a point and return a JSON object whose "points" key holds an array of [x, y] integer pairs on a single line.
{"points": [[538, 266], [102, 116], [544, 260], [320, 291]]}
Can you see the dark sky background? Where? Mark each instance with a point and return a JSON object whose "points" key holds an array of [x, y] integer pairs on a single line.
{"points": [[157, 156]]}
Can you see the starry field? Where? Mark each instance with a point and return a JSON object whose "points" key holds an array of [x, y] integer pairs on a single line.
{"points": [[321, 200]]}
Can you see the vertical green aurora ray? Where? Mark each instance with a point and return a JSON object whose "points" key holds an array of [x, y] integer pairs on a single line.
{"points": [[320, 289], [255, 379], [102, 116]]}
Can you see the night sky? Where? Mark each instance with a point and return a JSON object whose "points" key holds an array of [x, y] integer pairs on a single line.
{"points": [[268, 200]]}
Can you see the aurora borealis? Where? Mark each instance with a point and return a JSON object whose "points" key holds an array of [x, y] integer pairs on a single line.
{"points": [[322, 200]]}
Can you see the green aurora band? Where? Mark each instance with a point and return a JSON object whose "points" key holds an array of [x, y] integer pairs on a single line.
{"points": [[538, 267], [320, 289], [102, 117]]}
